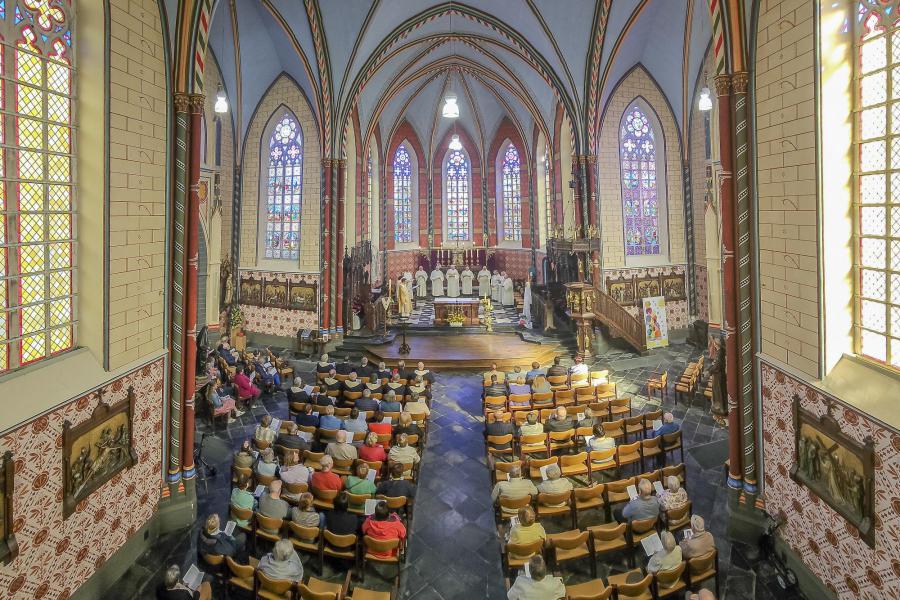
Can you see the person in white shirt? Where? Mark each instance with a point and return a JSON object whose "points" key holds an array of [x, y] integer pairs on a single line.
{"points": [[496, 283], [579, 368], [507, 294], [421, 283], [437, 281], [540, 586], [452, 282], [484, 283], [466, 277]]}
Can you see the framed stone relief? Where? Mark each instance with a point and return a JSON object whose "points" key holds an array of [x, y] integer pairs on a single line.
{"points": [[9, 549], [303, 296], [251, 291], [96, 450], [835, 467], [275, 293]]}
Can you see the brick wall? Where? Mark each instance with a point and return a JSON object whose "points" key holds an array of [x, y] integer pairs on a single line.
{"points": [[283, 93], [137, 175], [638, 84], [786, 166]]}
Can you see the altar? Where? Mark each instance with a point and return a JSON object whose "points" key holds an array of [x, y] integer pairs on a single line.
{"points": [[444, 307]]}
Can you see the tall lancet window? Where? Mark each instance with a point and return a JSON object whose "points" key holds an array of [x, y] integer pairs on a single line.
{"points": [[878, 136], [37, 231], [640, 201], [512, 195], [403, 222], [458, 201], [284, 191]]}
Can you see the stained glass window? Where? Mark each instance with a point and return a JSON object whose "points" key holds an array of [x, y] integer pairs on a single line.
{"points": [[403, 226], [284, 191], [36, 217], [512, 195], [878, 133], [640, 202], [458, 201]]}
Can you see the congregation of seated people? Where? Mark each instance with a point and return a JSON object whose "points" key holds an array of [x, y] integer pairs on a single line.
{"points": [[578, 476], [300, 486]]}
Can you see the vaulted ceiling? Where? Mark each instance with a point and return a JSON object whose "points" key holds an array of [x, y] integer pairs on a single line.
{"points": [[394, 59]]}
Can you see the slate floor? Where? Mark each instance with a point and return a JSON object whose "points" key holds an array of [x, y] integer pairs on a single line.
{"points": [[454, 549]]}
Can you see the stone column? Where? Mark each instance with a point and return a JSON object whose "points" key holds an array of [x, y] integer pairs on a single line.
{"points": [[326, 245], [341, 166], [729, 276]]}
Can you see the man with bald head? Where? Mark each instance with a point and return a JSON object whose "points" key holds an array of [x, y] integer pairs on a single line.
{"points": [[644, 506], [700, 541], [272, 505], [560, 421], [339, 448]]}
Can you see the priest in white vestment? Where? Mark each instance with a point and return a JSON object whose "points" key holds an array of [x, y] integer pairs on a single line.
{"points": [[437, 281], [526, 307], [496, 283], [484, 283], [508, 298], [404, 297], [466, 277], [452, 282], [421, 283]]}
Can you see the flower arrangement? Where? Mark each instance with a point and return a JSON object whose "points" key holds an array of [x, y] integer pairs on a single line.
{"points": [[456, 318], [236, 319]]}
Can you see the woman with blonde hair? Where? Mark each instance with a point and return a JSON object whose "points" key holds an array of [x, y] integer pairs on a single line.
{"points": [[372, 451]]}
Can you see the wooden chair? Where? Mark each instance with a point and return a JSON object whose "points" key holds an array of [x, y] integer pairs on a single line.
{"points": [[651, 451], [672, 442], [240, 576], [659, 382], [351, 397], [599, 377], [542, 400], [632, 591], [571, 545], [514, 556], [508, 508], [324, 499], [601, 409], [670, 582], [371, 546], [306, 539], [504, 468], [532, 444], [589, 498], [519, 402], [564, 397], [620, 407], [676, 519], [599, 461], [558, 381], [242, 514], [358, 503], [361, 593], [606, 391], [638, 529], [614, 429], [609, 539], [585, 394], [265, 525], [327, 435], [264, 479], [560, 441], [492, 403], [628, 454], [343, 466], [341, 547], [535, 464], [313, 460], [677, 471], [215, 564], [273, 589], [238, 472], [398, 504], [703, 567], [617, 491], [500, 445], [649, 417], [634, 426], [557, 504], [573, 465], [595, 589], [578, 380], [318, 589]]}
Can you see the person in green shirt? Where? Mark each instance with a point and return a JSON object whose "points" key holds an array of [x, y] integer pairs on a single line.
{"points": [[242, 497], [526, 530], [359, 483]]}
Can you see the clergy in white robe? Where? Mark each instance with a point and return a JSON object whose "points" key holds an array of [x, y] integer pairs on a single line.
{"points": [[484, 283], [507, 296], [437, 281], [452, 282], [421, 283], [526, 300], [404, 297], [466, 277], [496, 283]]}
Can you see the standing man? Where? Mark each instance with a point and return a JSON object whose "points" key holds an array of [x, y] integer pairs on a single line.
{"points": [[496, 283], [508, 296], [452, 282], [484, 283], [437, 281], [421, 283], [467, 277]]}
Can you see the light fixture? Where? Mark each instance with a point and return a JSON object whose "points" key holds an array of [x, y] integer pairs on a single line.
{"points": [[221, 102], [451, 108], [455, 144], [705, 102]]}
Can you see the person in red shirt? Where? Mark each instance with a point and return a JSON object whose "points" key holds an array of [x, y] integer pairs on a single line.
{"points": [[245, 387], [372, 451], [325, 479], [380, 428], [384, 525]]}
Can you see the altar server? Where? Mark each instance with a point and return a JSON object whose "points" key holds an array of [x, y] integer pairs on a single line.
{"points": [[507, 295], [496, 283], [437, 281], [421, 283], [452, 282]]}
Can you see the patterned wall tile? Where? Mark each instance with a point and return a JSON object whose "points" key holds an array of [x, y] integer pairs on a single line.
{"points": [[56, 556], [827, 543], [280, 321], [676, 310]]}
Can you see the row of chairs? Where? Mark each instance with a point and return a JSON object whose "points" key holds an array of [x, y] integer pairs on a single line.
{"points": [[649, 586], [341, 467], [598, 496], [607, 403], [592, 378], [247, 578]]}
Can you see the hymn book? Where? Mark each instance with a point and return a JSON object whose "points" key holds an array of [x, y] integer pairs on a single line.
{"points": [[544, 473], [632, 491], [193, 578], [652, 544], [371, 475], [259, 491], [370, 506], [658, 487], [229, 527], [656, 424], [275, 424]]}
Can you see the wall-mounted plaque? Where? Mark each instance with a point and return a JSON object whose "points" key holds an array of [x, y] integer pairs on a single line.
{"points": [[303, 296], [96, 450], [275, 293], [621, 289], [835, 467], [251, 290], [673, 286], [646, 287], [9, 548]]}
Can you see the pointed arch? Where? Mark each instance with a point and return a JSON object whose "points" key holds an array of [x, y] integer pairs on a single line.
{"points": [[438, 171], [406, 135], [281, 186], [506, 135]]}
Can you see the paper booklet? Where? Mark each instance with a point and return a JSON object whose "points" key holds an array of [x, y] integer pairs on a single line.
{"points": [[193, 578], [259, 491], [315, 413], [527, 570], [579, 417], [308, 389], [386, 421], [275, 424], [370, 506], [688, 534], [295, 389], [658, 487], [587, 442], [656, 424], [255, 453], [371, 475], [544, 472], [229, 527], [652, 544], [513, 522], [632, 492], [305, 435]]}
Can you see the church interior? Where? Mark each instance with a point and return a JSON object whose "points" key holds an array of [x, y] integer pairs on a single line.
{"points": [[434, 299]]}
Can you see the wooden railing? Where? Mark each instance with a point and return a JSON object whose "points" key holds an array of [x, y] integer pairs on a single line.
{"points": [[621, 323]]}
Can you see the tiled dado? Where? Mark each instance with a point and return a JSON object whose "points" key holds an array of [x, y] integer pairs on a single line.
{"points": [[56, 556], [828, 544], [281, 322], [677, 315]]}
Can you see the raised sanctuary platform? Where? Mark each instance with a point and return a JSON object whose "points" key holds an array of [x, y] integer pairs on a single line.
{"points": [[468, 351]]}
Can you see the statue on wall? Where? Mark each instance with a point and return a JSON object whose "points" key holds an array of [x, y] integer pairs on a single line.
{"points": [[227, 282], [716, 370]]}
